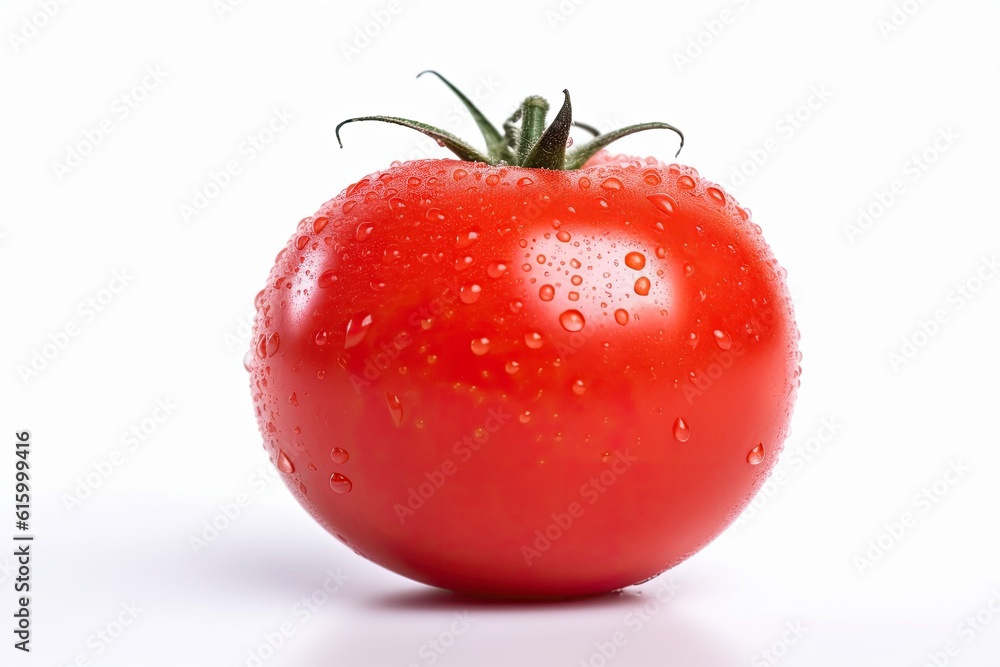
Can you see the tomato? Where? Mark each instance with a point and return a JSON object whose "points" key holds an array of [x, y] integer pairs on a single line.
{"points": [[521, 381]]}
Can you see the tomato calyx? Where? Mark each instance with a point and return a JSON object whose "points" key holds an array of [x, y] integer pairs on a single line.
{"points": [[526, 140]]}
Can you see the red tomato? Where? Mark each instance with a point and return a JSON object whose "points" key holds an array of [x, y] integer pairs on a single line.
{"points": [[525, 382]]}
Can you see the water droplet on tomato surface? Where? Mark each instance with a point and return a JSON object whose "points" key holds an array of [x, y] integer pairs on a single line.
{"points": [[635, 260], [271, 346], [321, 337], [621, 317], [522, 182], [283, 463], [651, 177], [480, 346], [611, 183], [575, 263], [301, 242], [717, 195], [685, 182], [524, 417], [664, 202], [496, 269], [357, 329], [459, 174], [579, 388], [395, 408], [642, 286], [434, 215], [722, 339], [688, 269], [492, 179], [462, 263], [756, 455], [327, 279], [563, 236], [469, 294], [516, 306], [293, 399], [465, 239], [681, 430], [248, 361], [347, 206], [340, 484], [512, 367], [546, 292], [572, 320], [339, 455], [533, 340]]}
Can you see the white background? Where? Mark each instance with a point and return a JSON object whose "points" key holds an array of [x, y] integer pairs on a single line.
{"points": [[869, 435]]}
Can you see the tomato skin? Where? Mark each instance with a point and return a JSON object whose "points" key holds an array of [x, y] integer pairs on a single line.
{"points": [[447, 342]]}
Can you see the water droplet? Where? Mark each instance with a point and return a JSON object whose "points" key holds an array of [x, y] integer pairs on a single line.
{"points": [[642, 286], [533, 340], [688, 269], [681, 430], [573, 296], [523, 243], [492, 179], [524, 417], [248, 361], [516, 306], [348, 205], [496, 269], [524, 181], [512, 367], [546, 292], [584, 183], [563, 236], [651, 177], [357, 328], [470, 293], [540, 259], [391, 254], [756, 455], [340, 484], [575, 263], [611, 184], [661, 252], [301, 242], [576, 280], [664, 202], [569, 141], [395, 408], [293, 399], [579, 388], [722, 339], [717, 195], [327, 279], [339, 455], [621, 317], [466, 239], [363, 231], [271, 346], [601, 203], [685, 182], [283, 463], [413, 181], [635, 260], [572, 320], [320, 223], [460, 174], [480, 346], [526, 267], [462, 263], [434, 215]]}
